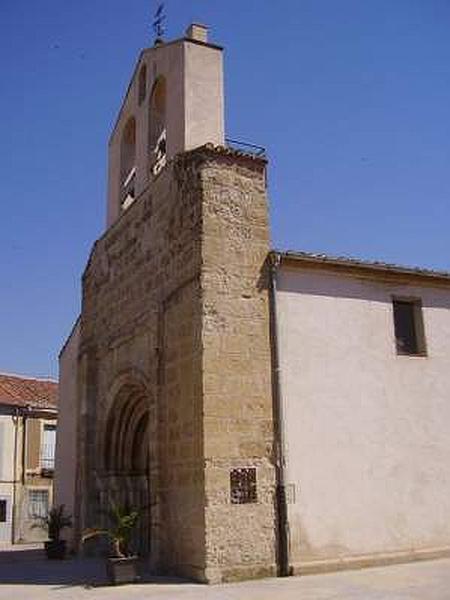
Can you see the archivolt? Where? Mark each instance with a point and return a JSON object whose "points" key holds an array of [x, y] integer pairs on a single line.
{"points": [[125, 445]]}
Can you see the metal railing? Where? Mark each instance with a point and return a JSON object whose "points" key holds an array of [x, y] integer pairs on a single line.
{"points": [[259, 151], [47, 458]]}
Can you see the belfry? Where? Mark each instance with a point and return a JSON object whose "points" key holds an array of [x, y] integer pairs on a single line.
{"points": [[174, 103]]}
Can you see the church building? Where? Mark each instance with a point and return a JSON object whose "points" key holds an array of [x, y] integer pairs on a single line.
{"points": [[268, 412]]}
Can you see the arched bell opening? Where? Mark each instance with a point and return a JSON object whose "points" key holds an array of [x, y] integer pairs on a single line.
{"points": [[142, 87], [125, 476], [127, 191], [157, 134]]}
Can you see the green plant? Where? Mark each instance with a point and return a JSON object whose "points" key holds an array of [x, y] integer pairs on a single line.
{"points": [[123, 522], [54, 522]]}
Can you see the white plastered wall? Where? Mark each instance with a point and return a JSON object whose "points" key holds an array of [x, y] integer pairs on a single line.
{"points": [[367, 442], [66, 436], [204, 96], [7, 434]]}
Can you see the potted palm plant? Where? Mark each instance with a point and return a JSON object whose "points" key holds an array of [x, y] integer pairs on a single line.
{"points": [[54, 522], [121, 564]]}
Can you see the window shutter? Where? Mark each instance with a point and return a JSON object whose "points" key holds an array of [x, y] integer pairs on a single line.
{"points": [[33, 443]]}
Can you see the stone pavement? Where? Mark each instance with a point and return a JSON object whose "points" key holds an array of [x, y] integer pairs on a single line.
{"points": [[26, 575]]}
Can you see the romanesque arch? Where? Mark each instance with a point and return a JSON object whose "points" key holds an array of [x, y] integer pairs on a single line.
{"points": [[124, 456], [142, 90], [157, 111], [157, 134]]}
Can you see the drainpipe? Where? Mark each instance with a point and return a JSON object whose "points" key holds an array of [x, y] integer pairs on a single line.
{"points": [[24, 442], [15, 420], [281, 504]]}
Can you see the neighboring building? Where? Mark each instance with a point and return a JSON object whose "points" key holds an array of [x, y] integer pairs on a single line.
{"points": [[28, 412], [273, 412]]}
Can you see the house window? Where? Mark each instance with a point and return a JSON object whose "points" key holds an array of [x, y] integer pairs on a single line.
{"points": [[409, 329], [48, 447], [37, 503], [3, 511]]}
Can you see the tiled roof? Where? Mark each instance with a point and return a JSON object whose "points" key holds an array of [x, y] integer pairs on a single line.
{"points": [[26, 391], [372, 266]]}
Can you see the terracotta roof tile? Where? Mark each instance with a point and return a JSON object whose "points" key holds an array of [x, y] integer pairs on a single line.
{"points": [[26, 391]]}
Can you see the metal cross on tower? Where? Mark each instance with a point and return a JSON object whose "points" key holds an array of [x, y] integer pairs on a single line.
{"points": [[158, 22]]}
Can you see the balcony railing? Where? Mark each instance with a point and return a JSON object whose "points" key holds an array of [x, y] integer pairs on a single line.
{"points": [[245, 147], [47, 459]]}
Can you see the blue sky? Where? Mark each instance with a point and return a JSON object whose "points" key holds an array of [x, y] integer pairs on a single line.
{"points": [[350, 98]]}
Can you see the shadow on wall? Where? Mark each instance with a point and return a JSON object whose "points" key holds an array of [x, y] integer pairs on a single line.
{"points": [[339, 285]]}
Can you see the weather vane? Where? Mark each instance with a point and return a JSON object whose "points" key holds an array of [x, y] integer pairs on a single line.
{"points": [[158, 23]]}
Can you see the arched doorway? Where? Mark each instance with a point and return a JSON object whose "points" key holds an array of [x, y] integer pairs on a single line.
{"points": [[125, 477]]}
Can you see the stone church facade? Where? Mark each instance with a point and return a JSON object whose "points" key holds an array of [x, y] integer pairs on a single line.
{"points": [[187, 359]]}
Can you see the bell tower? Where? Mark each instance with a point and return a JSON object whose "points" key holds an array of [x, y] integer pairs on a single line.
{"points": [[167, 376], [174, 103]]}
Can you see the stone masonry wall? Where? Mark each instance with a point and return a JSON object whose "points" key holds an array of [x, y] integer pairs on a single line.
{"points": [[175, 308], [140, 329], [238, 421]]}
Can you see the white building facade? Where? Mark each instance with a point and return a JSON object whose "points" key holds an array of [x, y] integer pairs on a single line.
{"points": [[364, 385]]}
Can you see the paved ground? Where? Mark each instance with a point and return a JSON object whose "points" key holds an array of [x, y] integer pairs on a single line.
{"points": [[26, 575]]}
